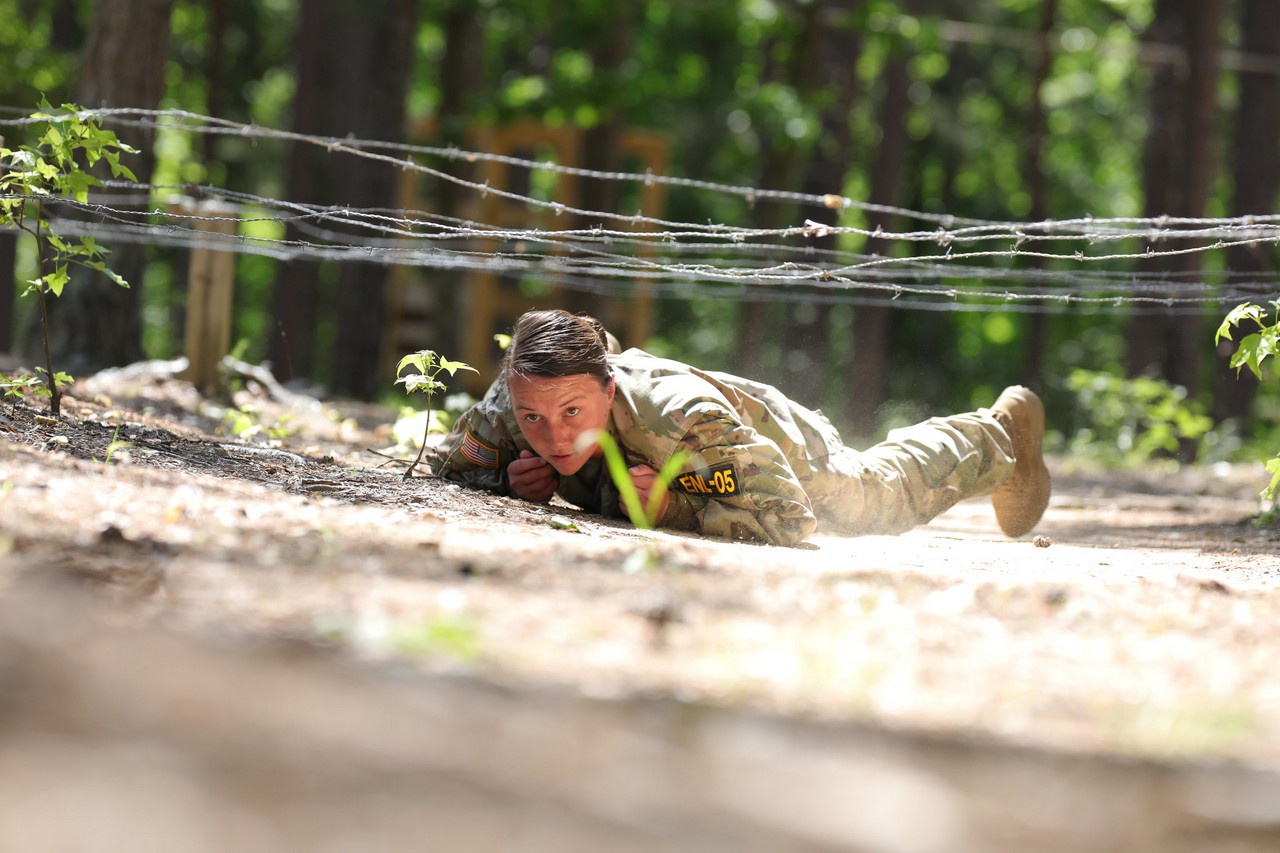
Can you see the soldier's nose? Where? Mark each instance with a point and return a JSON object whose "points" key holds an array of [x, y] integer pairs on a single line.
{"points": [[562, 441]]}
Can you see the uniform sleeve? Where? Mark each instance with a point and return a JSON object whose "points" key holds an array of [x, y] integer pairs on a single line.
{"points": [[739, 485], [478, 449]]}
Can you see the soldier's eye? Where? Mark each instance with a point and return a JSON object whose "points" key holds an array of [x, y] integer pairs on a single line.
{"points": [[531, 418]]}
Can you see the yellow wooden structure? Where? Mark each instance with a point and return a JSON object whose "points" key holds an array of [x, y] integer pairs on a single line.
{"points": [[210, 291]]}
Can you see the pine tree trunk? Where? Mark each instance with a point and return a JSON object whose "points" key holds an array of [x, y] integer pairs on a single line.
{"points": [[96, 323], [1256, 175], [373, 104], [834, 51], [8, 256], [1037, 185], [600, 143], [760, 320], [1178, 171], [291, 345], [363, 95], [868, 379], [460, 76]]}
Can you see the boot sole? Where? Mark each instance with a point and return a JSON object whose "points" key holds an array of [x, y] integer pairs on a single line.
{"points": [[1021, 500]]}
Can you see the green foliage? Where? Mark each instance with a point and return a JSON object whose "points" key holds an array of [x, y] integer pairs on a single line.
{"points": [[245, 422], [31, 176], [1255, 347], [643, 516], [455, 637], [17, 388], [117, 450], [36, 55], [448, 636], [1132, 421], [1251, 351], [725, 83], [413, 426], [429, 365]]}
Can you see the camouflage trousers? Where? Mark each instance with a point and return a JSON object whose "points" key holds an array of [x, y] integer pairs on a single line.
{"points": [[913, 475]]}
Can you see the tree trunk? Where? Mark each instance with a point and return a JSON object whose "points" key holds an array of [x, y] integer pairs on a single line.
{"points": [[778, 171], [95, 323], [8, 257], [1178, 171], [214, 68], [872, 324], [65, 31], [1037, 184], [372, 104], [600, 143], [364, 96], [1256, 173], [291, 347], [833, 69], [459, 73]]}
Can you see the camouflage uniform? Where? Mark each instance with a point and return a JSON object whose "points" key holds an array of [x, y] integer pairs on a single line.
{"points": [[761, 467]]}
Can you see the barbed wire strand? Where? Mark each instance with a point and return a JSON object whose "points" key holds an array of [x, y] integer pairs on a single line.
{"points": [[760, 262]]}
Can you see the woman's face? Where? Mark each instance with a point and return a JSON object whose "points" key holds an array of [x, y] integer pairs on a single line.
{"points": [[554, 410]]}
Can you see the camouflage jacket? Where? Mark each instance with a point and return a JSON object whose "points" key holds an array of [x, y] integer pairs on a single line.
{"points": [[750, 449]]}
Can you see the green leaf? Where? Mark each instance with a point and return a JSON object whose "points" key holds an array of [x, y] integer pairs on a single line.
{"points": [[57, 243], [1247, 355], [57, 280], [422, 360], [621, 476], [117, 170], [21, 159], [46, 170], [454, 366], [1236, 316], [417, 382], [77, 185], [665, 476], [1273, 466]]}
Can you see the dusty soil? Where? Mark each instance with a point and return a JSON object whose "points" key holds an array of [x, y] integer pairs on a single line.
{"points": [[286, 646]]}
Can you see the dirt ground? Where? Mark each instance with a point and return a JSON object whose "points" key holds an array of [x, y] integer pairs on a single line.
{"points": [[211, 643]]}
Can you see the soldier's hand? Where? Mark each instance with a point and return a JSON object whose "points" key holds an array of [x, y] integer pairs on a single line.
{"points": [[532, 477], [646, 480]]}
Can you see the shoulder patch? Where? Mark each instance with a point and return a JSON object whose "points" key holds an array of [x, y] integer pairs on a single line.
{"points": [[721, 480], [478, 453]]}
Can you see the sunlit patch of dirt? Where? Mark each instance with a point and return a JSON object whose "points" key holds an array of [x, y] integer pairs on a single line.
{"points": [[1139, 622]]}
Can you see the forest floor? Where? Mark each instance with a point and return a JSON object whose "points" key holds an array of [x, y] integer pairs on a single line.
{"points": [[207, 643]]}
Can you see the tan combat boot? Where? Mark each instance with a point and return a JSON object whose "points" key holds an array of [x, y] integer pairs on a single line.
{"points": [[1021, 499]]}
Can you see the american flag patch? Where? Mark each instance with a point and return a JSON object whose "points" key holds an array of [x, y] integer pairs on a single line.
{"points": [[479, 453]]}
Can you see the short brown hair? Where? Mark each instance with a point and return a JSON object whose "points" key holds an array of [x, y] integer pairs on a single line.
{"points": [[557, 343]]}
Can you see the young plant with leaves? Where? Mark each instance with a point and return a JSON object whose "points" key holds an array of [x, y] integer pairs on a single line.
{"points": [[1251, 351], [429, 365], [643, 515], [33, 176]]}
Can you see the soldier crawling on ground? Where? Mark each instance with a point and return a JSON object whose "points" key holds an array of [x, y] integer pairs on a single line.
{"points": [[759, 467]]}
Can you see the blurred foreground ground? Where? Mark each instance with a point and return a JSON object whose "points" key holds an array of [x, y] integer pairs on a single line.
{"points": [[211, 645]]}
